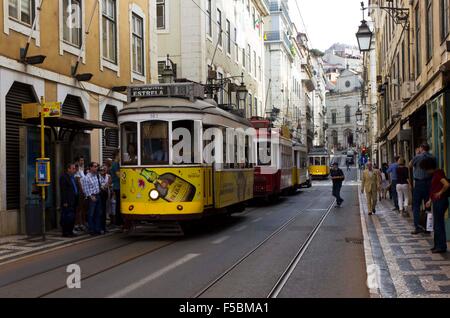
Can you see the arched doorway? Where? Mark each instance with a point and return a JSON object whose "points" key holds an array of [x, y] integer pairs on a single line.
{"points": [[349, 138], [334, 138]]}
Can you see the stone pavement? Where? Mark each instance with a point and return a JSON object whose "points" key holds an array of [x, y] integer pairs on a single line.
{"points": [[17, 247], [403, 263]]}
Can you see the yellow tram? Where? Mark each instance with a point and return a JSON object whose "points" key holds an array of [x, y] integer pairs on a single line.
{"points": [[171, 142], [319, 163]]}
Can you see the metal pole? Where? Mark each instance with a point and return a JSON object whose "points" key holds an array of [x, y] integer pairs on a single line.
{"points": [[43, 156]]}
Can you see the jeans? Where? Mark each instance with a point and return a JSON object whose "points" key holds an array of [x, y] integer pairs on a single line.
{"points": [[440, 237], [403, 196], [394, 194], [421, 194], [94, 215], [337, 192]]}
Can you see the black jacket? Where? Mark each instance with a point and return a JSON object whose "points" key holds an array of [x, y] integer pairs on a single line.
{"points": [[68, 195]]}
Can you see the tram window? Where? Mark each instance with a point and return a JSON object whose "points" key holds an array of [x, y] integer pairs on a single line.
{"points": [[317, 161], [311, 161], [129, 144], [264, 153], [155, 143], [186, 153], [323, 161]]}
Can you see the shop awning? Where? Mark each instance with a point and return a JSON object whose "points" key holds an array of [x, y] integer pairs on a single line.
{"points": [[74, 123], [427, 92], [395, 130]]}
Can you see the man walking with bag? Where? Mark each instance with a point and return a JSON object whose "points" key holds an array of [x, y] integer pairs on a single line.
{"points": [[337, 175], [370, 186]]}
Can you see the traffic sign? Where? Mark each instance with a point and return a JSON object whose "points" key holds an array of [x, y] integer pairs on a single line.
{"points": [[51, 109], [34, 110]]}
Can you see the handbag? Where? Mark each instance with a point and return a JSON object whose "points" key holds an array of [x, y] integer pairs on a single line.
{"points": [[430, 222]]}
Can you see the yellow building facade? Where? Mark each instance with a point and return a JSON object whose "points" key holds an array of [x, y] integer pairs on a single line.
{"points": [[92, 50]]}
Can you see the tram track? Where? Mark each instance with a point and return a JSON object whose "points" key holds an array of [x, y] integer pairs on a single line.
{"points": [[281, 282]]}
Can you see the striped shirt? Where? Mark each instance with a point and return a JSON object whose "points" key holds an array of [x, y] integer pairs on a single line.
{"points": [[90, 185]]}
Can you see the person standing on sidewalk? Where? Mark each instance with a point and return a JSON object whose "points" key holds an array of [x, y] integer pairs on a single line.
{"points": [[370, 186], [439, 201], [115, 177], [69, 200], [422, 185], [392, 171], [105, 193], [91, 187], [82, 206], [403, 187], [338, 177]]}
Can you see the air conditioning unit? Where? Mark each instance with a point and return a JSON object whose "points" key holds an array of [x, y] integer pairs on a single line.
{"points": [[408, 89], [396, 107]]}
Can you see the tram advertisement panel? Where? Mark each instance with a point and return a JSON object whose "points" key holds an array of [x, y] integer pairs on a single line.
{"points": [[233, 187], [145, 188]]}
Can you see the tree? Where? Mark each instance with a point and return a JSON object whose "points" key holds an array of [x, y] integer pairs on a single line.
{"points": [[317, 53]]}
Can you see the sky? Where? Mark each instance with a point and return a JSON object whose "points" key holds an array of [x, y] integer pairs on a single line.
{"points": [[328, 21]]}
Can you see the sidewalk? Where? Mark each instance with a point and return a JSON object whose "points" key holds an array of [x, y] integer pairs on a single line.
{"points": [[13, 248], [404, 264]]}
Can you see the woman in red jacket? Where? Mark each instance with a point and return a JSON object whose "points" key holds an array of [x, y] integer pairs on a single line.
{"points": [[439, 202]]}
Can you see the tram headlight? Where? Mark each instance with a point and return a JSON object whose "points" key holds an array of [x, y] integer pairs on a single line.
{"points": [[154, 195]]}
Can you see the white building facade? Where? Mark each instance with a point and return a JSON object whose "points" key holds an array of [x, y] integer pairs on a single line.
{"points": [[222, 35]]}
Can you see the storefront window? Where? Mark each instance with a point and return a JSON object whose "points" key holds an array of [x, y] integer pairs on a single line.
{"points": [[129, 144], [155, 143]]}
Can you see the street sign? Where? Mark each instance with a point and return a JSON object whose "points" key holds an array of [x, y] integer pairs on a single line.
{"points": [[31, 110], [48, 110], [51, 109]]}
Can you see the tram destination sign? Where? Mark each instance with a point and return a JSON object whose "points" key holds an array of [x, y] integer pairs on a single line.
{"points": [[181, 90]]}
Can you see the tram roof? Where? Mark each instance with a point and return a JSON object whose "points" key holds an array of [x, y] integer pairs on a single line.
{"points": [[174, 105], [319, 152]]}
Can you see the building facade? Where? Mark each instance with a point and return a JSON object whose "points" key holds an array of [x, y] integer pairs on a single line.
{"points": [[413, 77], [343, 101], [114, 44], [224, 36]]}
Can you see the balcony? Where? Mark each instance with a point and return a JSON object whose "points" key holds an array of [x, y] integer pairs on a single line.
{"points": [[278, 36], [280, 7]]}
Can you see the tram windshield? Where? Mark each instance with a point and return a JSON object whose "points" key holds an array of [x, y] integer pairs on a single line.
{"points": [[264, 153], [154, 143], [129, 144]]}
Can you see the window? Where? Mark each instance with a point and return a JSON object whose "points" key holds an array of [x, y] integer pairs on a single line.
{"points": [[250, 103], [254, 18], [228, 37], [444, 19], [219, 23], [155, 143], [418, 40], [429, 29], [72, 32], [334, 118], [138, 44], [221, 94], [259, 69], [109, 34], [347, 114], [256, 107], [236, 46], [244, 58], [22, 11], [129, 145], [161, 14], [209, 18], [249, 58]]}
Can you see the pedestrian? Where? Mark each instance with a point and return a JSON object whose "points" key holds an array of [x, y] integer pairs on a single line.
{"points": [[91, 187], [69, 200], [105, 194], [385, 182], [439, 202], [392, 171], [338, 177], [348, 165], [370, 186], [115, 177], [82, 207], [403, 187], [422, 185]]}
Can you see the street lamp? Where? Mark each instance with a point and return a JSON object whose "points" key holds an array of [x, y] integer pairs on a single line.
{"points": [[364, 35], [359, 115]]}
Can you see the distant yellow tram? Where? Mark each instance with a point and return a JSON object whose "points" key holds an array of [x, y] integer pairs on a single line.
{"points": [[319, 163], [155, 184]]}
